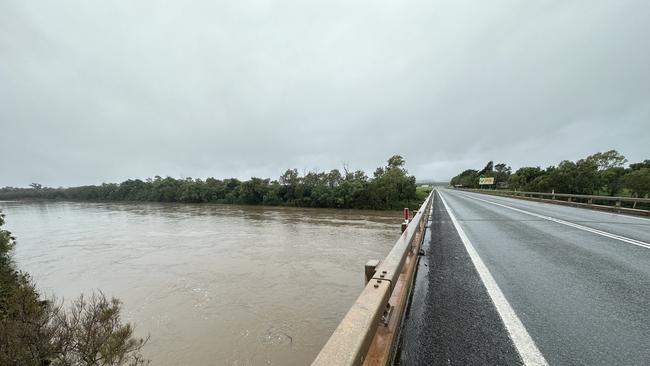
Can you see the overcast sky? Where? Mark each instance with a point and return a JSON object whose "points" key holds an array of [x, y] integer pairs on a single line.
{"points": [[95, 91]]}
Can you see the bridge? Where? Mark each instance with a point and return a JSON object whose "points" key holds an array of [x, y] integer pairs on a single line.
{"points": [[506, 278]]}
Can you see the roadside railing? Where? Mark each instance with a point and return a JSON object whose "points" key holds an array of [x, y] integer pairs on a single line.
{"points": [[629, 205], [369, 330]]}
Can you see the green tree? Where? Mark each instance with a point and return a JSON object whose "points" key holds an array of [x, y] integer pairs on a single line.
{"points": [[607, 159], [353, 191], [396, 161], [253, 191], [231, 189], [272, 196], [643, 164], [468, 178], [638, 181], [576, 178], [502, 174], [392, 187], [487, 170], [291, 190], [610, 170], [542, 183], [522, 179], [611, 179], [190, 190]]}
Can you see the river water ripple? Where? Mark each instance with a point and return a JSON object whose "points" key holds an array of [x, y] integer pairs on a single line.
{"points": [[211, 284]]}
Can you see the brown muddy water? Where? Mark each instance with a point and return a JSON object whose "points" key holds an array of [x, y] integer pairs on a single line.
{"points": [[211, 284]]}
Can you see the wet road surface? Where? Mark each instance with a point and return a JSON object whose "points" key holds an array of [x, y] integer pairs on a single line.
{"points": [[577, 280]]}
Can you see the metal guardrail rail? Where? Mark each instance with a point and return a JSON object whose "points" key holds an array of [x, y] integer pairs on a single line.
{"points": [[578, 200], [378, 303]]}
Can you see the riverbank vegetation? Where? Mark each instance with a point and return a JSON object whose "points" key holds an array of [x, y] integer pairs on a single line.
{"points": [[36, 331], [603, 173], [390, 187]]}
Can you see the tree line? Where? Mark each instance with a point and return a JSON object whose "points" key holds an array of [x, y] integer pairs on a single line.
{"points": [[390, 187], [602, 173]]}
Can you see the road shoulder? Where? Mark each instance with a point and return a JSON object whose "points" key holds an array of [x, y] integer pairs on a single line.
{"points": [[451, 319]]}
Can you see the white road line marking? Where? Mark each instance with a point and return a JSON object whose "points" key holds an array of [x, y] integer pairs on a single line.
{"points": [[567, 223], [528, 351]]}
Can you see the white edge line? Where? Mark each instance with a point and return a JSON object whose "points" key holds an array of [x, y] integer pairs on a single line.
{"points": [[567, 223], [528, 351]]}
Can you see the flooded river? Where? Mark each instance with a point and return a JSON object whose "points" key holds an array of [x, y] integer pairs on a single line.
{"points": [[211, 284]]}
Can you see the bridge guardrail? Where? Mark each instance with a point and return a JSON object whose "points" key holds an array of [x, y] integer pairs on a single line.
{"points": [[383, 298], [578, 200]]}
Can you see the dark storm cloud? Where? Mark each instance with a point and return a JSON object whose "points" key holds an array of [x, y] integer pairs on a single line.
{"points": [[94, 91]]}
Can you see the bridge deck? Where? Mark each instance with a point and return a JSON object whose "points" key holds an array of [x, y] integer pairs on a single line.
{"points": [[577, 280]]}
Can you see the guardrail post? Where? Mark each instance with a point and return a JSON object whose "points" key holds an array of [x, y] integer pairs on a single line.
{"points": [[590, 201], [370, 269], [405, 223]]}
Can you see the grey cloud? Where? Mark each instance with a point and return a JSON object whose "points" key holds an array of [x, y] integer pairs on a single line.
{"points": [[94, 91]]}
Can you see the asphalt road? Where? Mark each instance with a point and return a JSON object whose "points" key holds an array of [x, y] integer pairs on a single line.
{"points": [[574, 286]]}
